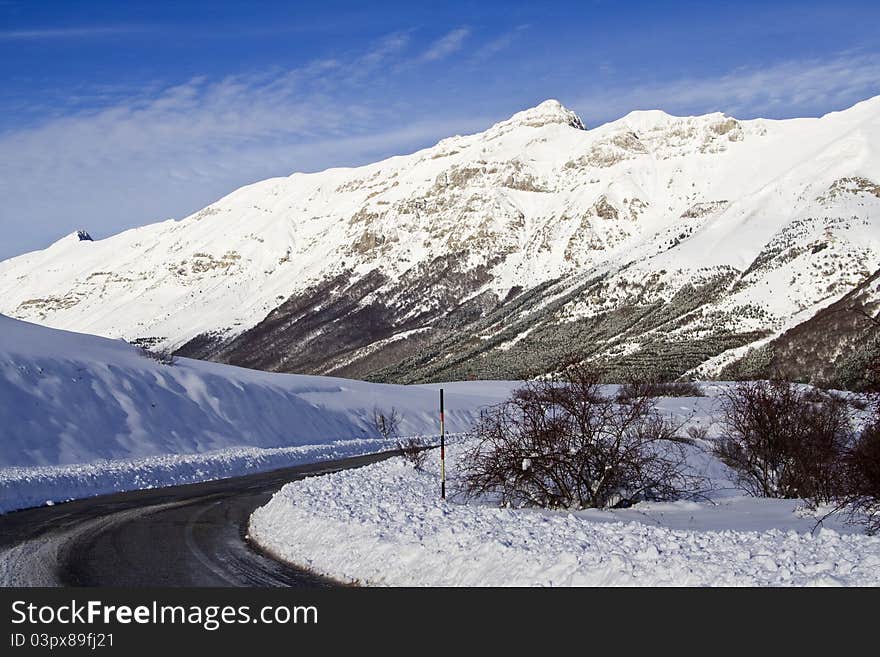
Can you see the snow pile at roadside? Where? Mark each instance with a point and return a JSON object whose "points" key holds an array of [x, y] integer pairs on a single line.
{"points": [[384, 525], [117, 420], [21, 488]]}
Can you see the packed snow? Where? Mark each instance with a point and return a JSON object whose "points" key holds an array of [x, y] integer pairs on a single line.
{"points": [[385, 525], [82, 415]]}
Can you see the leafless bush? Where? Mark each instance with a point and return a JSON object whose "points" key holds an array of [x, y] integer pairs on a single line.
{"points": [[862, 482], [659, 389], [386, 423], [414, 450], [780, 443], [161, 356], [859, 402], [564, 444], [815, 395], [698, 434]]}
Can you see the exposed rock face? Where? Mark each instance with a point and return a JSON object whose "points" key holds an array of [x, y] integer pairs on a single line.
{"points": [[667, 245]]}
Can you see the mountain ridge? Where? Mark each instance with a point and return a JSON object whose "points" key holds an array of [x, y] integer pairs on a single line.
{"points": [[653, 242]]}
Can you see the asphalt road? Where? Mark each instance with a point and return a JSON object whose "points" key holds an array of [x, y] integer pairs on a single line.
{"points": [[192, 535]]}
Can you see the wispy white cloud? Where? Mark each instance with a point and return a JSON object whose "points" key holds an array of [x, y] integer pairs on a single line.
{"points": [[447, 44], [170, 151], [66, 33], [387, 48], [500, 43], [788, 88]]}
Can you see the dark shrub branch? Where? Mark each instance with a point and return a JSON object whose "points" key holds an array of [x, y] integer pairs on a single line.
{"points": [[564, 444], [414, 450], [385, 423], [861, 495], [660, 389], [782, 441]]}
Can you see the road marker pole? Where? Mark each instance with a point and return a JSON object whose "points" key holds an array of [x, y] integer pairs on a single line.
{"points": [[442, 450]]}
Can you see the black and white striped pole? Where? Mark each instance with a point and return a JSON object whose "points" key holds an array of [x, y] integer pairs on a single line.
{"points": [[442, 451]]}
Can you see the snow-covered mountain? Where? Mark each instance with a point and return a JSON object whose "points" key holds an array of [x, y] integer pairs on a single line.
{"points": [[656, 243]]}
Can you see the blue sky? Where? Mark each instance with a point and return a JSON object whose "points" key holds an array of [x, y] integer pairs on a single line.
{"points": [[115, 114]]}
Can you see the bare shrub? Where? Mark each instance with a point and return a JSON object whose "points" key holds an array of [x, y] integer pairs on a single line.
{"points": [[856, 401], [815, 395], [783, 442], [698, 434], [659, 389], [161, 356], [386, 423], [862, 482], [414, 450], [563, 444]]}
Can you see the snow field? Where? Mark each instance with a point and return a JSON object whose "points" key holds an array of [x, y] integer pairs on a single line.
{"points": [[384, 524]]}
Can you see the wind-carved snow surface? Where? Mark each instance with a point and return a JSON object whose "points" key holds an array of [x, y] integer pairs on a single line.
{"points": [[82, 415], [385, 525]]}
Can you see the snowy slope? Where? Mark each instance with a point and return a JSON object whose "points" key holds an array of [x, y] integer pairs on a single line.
{"points": [[729, 229], [79, 406]]}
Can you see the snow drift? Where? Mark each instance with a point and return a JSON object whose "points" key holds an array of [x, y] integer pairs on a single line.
{"points": [[97, 415], [384, 524]]}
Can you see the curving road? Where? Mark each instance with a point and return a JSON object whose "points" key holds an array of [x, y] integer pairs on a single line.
{"points": [[193, 535]]}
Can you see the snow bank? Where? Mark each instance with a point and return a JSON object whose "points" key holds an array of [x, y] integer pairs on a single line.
{"points": [[26, 487], [82, 415], [384, 525]]}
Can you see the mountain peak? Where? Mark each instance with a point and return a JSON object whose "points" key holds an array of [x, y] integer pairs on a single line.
{"points": [[548, 112], [546, 230]]}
